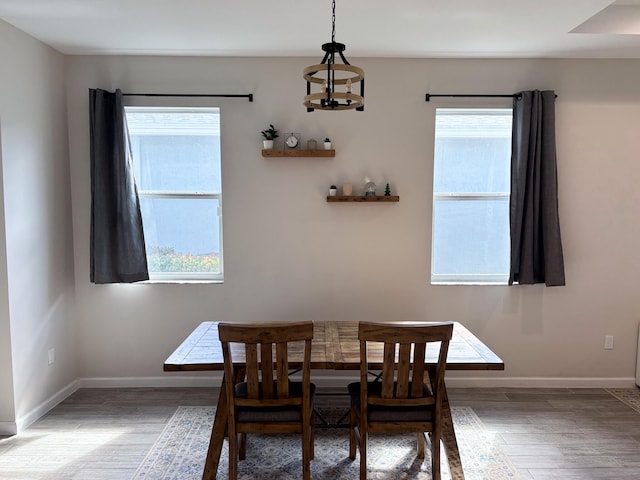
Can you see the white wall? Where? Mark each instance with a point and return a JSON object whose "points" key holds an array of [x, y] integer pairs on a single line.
{"points": [[37, 280], [289, 255], [7, 405]]}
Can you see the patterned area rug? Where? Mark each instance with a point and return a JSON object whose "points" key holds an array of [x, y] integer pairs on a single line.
{"points": [[628, 396], [180, 451]]}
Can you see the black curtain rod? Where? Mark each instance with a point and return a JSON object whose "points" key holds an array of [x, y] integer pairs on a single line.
{"points": [[227, 95], [429, 96]]}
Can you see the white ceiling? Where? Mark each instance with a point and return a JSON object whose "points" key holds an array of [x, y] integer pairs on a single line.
{"points": [[369, 28]]}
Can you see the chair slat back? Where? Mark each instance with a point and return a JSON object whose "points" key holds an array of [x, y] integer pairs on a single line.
{"points": [[262, 373], [253, 382], [282, 362], [266, 361], [419, 352], [403, 370]]}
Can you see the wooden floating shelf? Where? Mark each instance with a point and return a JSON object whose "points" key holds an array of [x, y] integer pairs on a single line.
{"points": [[294, 152], [363, 198]]}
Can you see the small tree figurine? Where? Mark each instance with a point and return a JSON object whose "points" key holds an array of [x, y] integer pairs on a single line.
{"points": [[387, 191]]}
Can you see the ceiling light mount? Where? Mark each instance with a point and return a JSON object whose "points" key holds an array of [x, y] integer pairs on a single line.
{"points": [[328, 74]]}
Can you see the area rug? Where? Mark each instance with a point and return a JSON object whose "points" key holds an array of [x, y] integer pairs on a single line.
{"points": [[628, 396], [180, 451]]}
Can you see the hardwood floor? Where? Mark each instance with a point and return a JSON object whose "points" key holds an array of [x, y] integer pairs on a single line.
{"points": [[104, 434], [560, 433]]}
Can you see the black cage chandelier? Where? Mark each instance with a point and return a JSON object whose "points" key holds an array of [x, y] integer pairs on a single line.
{"points": [[324, 76]]}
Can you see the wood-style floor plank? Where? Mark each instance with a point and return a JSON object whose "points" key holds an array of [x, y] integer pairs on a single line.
{"points": [[560, 433]]}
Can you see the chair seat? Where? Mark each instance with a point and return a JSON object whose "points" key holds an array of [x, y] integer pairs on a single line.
{"points": [[379, 413], [273, 414]]}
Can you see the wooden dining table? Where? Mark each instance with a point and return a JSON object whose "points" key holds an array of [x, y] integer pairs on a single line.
{"points": [[335, 346]]}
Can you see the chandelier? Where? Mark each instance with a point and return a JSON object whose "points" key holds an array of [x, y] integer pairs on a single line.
{"points": [[328, 74]]}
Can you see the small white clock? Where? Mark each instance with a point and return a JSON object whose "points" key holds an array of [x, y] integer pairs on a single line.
{"points": [[292, 140]]}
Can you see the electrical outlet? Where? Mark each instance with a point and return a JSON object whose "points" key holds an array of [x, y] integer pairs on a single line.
{"points": [[608, 342], [52, 356]]}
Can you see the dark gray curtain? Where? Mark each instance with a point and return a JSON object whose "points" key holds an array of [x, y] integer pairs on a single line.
{"points": [[536, 247], [117, 240]]}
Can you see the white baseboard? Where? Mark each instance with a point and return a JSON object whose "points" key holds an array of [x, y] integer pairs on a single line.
{"points": [[23, 422], [8, 428], [539, 382], [211, 380]]}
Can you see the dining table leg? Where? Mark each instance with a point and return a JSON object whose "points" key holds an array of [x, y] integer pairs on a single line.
{"points": [[219, 429], [449, 440]]}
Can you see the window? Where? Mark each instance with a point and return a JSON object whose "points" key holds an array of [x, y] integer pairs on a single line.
{"points": [[176, 159], [471, 185]]}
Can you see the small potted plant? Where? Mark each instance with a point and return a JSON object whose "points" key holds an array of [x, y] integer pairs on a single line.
{"points": [[270, 134], [327, 144], [333, 190]]}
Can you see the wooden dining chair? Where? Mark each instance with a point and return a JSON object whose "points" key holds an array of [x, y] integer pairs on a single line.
{"points": [[268, 401], [407, 396]]}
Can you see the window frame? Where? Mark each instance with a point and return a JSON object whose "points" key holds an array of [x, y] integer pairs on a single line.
{"points": [[466, 278], [185, 277]]}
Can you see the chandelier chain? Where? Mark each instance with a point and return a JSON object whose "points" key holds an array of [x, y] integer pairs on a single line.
{"points": [[333, 23]]}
